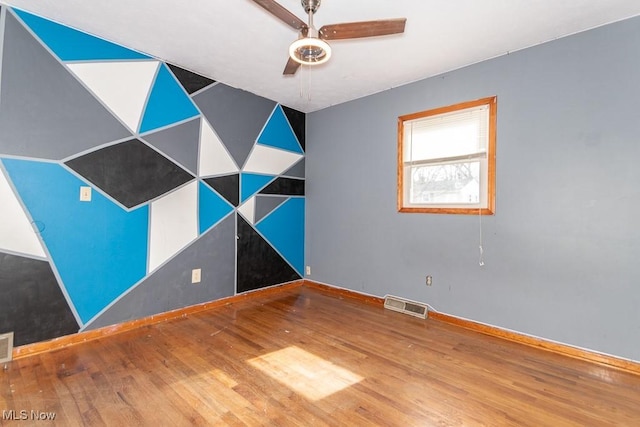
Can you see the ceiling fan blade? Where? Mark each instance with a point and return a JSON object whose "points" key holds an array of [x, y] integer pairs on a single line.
{"points": [[291, 67], [282, 14], [354, 30]]}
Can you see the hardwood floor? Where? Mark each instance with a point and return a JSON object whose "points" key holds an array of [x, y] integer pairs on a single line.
{"points": [[303, 357]]}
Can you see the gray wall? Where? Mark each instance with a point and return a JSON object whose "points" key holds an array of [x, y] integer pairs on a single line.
{"points": [[562, 252]]}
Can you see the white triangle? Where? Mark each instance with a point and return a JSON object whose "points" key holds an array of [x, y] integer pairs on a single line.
{"points": [[16, 232], [269, 160], [122, 86], [248, 210], [174, 224], [214, 158]]}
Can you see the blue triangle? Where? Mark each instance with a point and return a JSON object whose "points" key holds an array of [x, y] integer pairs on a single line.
{"points": [[73, 45], [212, 208], [284, 229], [251, 183], [168, 103], [99, 240], [278, 133]]}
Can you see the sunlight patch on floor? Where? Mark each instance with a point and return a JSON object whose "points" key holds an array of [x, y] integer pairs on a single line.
{"points": [[305, 373]]}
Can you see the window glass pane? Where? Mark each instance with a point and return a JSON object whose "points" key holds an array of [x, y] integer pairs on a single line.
{"points": [[457, 183]]}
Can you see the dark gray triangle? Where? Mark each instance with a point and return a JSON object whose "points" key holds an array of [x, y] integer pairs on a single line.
{"points": [[180, 143], [33, 306], [297, 120], [170, 287], [297, 170], [227, 186], [131, 172], [266, 204], [237, 117], [190, 81], [288, 186], [259, 265], [45, 112]]}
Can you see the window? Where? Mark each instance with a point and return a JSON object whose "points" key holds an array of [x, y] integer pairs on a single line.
{"points": [[446, 159]]}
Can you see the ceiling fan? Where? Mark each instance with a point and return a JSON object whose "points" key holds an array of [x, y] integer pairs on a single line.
{"points": [[311, 47]]}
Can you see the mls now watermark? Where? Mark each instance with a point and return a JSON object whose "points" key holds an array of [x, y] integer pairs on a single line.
{"points": [[25, 415]]}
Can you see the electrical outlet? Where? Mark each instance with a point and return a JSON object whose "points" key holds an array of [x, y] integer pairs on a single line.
{"points": [[85, 194], [429, 280], [307, 270], [196, 275]]}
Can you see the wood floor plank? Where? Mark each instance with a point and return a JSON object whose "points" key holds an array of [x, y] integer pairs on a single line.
{"points": [[269, 361]]}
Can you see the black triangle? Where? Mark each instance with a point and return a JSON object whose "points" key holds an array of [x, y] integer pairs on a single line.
{"points": [[36, 310], [297, 121], [191, 81], [227, 186], [259, 265]]}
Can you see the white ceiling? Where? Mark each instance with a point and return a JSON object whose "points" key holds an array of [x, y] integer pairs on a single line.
{"points": [[238, 43]]}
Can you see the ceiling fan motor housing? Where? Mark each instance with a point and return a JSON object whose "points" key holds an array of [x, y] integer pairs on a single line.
{"points": [[310, 6]]}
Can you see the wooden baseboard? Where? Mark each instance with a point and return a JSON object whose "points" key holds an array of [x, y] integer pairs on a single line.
{"points": [[68, 340], [344, 293], [563, 349]]}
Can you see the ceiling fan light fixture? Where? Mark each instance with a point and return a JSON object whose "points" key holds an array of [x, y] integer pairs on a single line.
{"points": [[310, 51], [311, 47]]}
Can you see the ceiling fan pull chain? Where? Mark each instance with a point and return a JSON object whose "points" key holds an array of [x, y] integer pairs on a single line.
{"points": [[308, 83]]}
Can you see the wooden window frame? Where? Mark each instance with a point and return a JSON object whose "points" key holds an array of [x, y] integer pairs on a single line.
{"points": [[491, 102]]}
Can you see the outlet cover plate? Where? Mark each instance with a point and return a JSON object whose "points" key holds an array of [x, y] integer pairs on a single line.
{"points": [[85, 194], [6, 347], [196, 275]]}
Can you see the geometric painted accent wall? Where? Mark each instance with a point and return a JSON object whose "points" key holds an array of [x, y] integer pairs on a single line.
{"points": [[184, 172]]}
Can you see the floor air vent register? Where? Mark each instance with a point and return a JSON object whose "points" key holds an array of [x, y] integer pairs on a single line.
{"points": [[6, 347], [407, 307]]}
